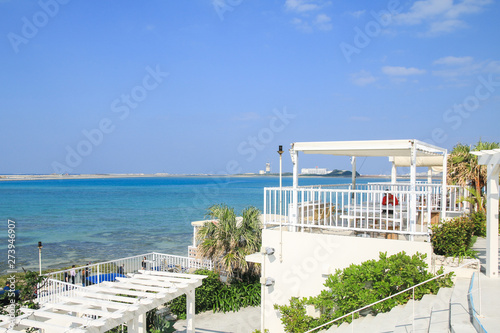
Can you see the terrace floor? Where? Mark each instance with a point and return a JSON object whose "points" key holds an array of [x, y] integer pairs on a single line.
{"points": [[244, 321], [490, 293]]}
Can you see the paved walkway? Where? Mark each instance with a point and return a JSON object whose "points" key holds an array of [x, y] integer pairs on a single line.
{"points": [[488, 303], [246, 320]]}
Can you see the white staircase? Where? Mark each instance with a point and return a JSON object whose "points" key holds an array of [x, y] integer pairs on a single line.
{"points": [[448, 311]]}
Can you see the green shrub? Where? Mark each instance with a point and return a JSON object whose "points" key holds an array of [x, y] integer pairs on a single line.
{"points": [[218, 296], [359, 285], [453, 238], [479, 222]]}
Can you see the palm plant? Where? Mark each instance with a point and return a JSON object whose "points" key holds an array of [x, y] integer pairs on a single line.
{"points": [[464, 170], [226, 239]]}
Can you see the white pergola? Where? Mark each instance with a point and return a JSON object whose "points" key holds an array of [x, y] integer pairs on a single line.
{"points": [[412, 153], [101, 307], [491, 158]]}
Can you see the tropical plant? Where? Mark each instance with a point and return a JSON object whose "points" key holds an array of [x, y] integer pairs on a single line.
{"points": [[218, 296], [464, 170], [359, 285], [226, 239], [453, 238]]}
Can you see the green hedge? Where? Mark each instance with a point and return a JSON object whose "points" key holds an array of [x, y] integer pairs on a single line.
{"points": [[453, 238], [359, 285], [218, 296]]}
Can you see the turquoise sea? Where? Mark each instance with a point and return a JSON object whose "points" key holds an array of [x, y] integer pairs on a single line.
{"points": [[84, 220]]}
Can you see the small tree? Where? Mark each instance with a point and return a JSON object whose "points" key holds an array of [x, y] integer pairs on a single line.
{"points": [[227, 241], [464, 170]]}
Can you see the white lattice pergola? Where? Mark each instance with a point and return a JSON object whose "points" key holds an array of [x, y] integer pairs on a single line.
{"points": [[101, 307], [491, 158]]}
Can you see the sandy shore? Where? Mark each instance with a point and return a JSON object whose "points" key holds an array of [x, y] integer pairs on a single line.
{"points": [[88, 176], [144, 175]]}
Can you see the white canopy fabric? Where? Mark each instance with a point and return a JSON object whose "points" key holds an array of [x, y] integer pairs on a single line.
{"points": [[99, 308], [422, 161], [369, 148]]}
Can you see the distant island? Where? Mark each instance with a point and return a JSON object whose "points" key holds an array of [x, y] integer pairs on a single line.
{"points": [[341, 173]]}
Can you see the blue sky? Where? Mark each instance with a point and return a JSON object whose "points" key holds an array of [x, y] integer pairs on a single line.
{"points": [[214, 86]]}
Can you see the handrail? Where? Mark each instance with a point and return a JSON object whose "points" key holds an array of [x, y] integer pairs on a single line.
{"points": [[388, 297], [102, 263], [473, 313]]}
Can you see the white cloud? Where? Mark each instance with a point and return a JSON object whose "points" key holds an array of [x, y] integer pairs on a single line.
{"points": [[301, 5], [453, 61], [323, 22], [401, 71], [301, 25], [440, 16], [309, 16], [357, 14], [463, 68], [362, 78]]}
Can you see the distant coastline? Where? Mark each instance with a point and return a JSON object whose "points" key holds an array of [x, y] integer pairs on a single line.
{"points": [[157, 175]]}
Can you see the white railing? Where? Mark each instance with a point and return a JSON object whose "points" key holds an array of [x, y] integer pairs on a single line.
{"points": [[64, 281], [412, 289], [362, 209], [52, 289], [453, 193], [358, 210]]}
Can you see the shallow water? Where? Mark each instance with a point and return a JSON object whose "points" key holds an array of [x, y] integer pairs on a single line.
{"points": [[81, 220]]}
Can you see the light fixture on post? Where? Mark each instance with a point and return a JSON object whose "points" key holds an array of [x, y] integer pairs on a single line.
{"points": [[280, 151], [40, 256], [269, 282], [269, 251]]}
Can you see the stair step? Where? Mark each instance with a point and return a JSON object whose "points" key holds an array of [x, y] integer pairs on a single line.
{"points": [[385, 322], [364, 324], [343, 328], [459, 308], [440, 313], [418, 322]]}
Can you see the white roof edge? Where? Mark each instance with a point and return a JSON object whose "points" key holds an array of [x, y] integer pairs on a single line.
{"points": [[368, 148], [486, 152]]}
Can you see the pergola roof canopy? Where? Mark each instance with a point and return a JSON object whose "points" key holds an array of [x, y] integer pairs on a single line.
{"points": [[388, 148], [488, 156], [100, 307]]}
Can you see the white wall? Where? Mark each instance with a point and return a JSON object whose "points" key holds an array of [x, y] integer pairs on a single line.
{"points": [[308, 259]]}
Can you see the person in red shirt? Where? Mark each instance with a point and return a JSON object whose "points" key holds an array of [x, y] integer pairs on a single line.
{"points": [[389, 200]]}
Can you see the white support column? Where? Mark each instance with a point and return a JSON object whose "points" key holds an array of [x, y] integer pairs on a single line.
{"points": [[353, 176], [394, 170], [141, 324], [132, 326], [492, 221], [190, 302], [444, 189], [413, 196], [429, 175], [295, 195], [491, 158]]}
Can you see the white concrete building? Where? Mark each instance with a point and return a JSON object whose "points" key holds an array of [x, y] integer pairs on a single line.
{"points": [[311, 231], [314, 171]]}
